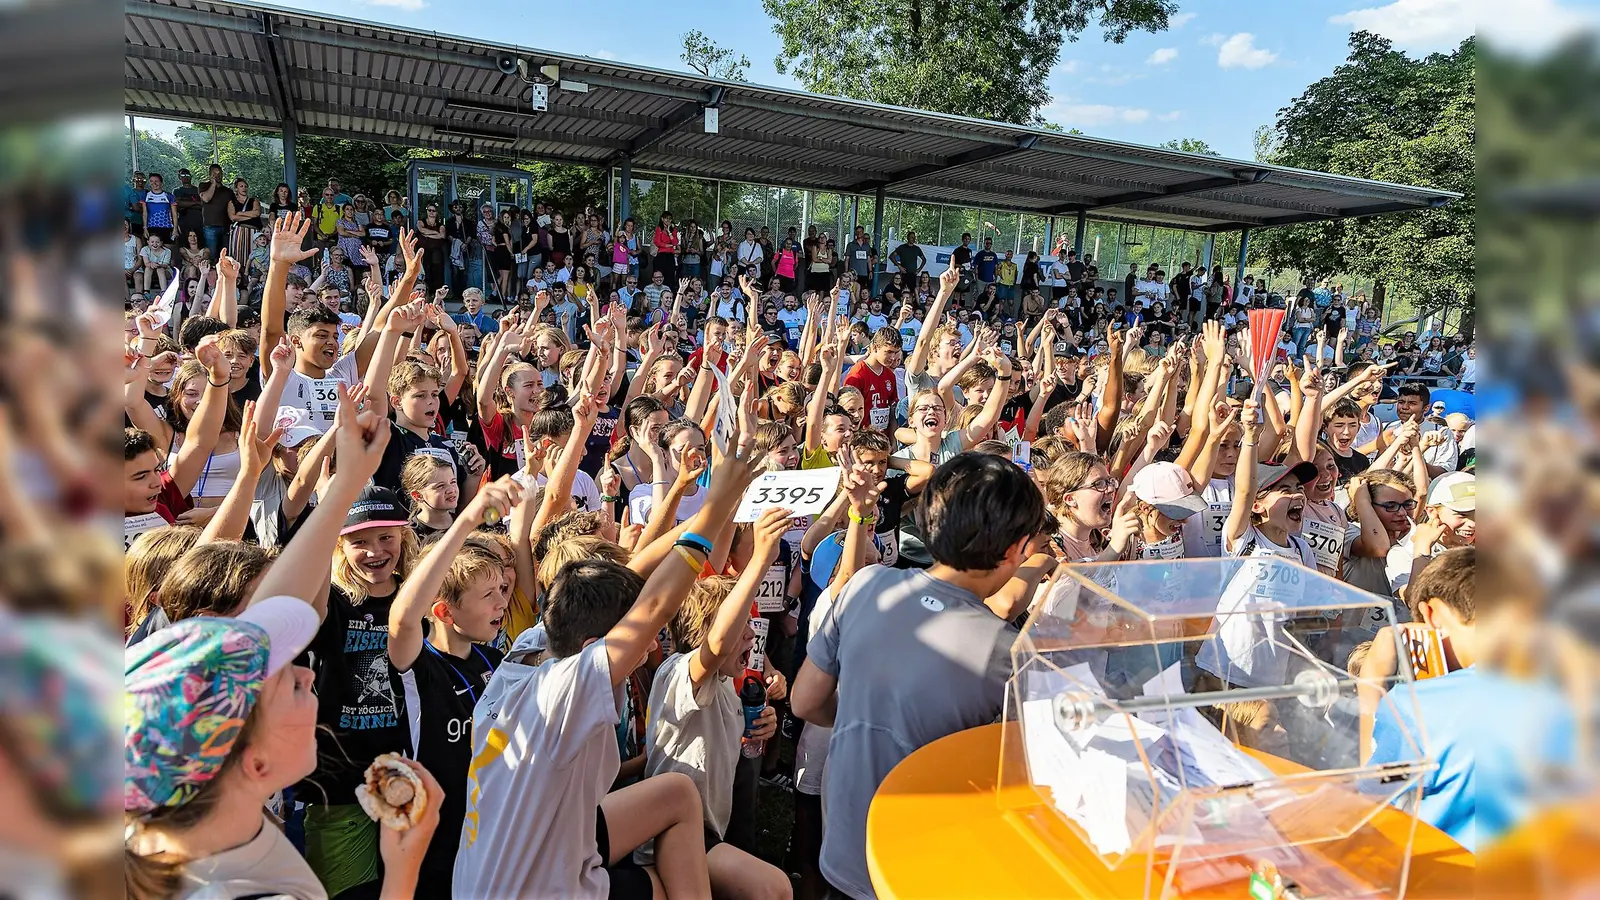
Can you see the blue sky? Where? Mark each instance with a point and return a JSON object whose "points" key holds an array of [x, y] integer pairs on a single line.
{"points": [[1225, 67]]}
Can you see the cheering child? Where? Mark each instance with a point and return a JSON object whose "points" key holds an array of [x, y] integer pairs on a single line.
{"points": [[458, 589]]}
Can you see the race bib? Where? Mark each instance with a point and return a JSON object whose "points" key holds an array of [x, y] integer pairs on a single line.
{"points": [[1327, 542], [439, 453], [861, 254], [756, 661], [772, 596], [520, 258], [805, 492], [880, 418], [1170, 548], [1215, 516], [323, 401], [133, 526]]}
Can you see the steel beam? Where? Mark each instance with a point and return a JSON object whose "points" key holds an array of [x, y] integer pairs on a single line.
{"points": [[1196, 186], [277, 79], [521, 134], [686, 112], [194, 60], [965, 158], [184, 16], [195, 91]]}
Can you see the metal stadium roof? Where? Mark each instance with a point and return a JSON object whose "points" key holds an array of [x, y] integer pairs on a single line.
{"points": [[266, 67]]}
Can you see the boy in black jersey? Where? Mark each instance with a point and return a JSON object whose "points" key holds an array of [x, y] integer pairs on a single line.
{"points": [[445, 662]]}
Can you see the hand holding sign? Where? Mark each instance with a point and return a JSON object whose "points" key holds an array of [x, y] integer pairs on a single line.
{"points": [[804, 493]]}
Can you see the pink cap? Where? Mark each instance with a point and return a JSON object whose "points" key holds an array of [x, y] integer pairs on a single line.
{"points": [[1169, 488]]}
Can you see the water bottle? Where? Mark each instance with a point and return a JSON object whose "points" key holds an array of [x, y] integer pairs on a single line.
{"points": [[753, 695]]}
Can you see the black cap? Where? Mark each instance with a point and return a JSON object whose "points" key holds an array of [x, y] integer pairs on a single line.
{"points": [[377, 507]]}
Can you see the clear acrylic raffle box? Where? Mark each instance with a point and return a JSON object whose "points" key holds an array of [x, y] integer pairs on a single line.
{"points": [[1192, 729]]}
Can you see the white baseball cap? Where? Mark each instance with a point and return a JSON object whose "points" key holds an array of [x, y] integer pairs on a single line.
{"points": [[296, 425], [1456, 491]]}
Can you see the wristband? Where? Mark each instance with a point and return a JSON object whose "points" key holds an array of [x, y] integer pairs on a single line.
{"points": [[694, 565], [1002, 378], [698, 542], [217, 383], [606, 499], [863, 520]]}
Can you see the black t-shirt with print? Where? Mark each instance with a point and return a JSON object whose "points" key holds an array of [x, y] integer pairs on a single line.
{"points": [[359, 705], [404, 444], [443, 689]]}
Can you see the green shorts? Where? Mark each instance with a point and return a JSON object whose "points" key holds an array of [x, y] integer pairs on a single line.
{"points": [[341, 846]]}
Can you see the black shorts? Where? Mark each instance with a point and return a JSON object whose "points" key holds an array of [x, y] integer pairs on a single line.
{"points": [[628, 881]]}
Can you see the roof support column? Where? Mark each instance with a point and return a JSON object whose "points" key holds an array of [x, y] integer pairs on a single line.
{"points": [[1049, 237], [1244, 251], [1210, 248], [1078, 233], [880, 200], [625, 188], [291, 132]]}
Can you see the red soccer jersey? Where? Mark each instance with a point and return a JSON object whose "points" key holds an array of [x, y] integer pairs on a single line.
{"points": [[880, 391]]}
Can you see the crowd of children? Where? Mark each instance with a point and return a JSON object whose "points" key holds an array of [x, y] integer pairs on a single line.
{"points": [[504, 548]]}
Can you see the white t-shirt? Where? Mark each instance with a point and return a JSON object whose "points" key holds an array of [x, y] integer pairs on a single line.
{"points": [[1469, 371], [544, 753], [320, 396], [585, 494], [1202, 532], [265, 865], [641, 501]]}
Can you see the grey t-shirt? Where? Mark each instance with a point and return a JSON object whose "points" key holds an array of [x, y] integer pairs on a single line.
{"points": [[917, 659], [544, 752], [696, 733]]}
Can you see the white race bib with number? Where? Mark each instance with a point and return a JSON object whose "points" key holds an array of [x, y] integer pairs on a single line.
{"points": [[805, 492], [861, 254], [133, 526], [1327, 542], [323, 401], [771, 598], [439, 453], [880, 418]]}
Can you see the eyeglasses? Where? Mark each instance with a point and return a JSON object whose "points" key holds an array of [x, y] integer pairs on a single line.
{"points": [[1394, 506], [1105, 485]]}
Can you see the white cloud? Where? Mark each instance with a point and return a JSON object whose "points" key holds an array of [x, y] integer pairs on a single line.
{"points": [[1068, 67], [1241, 52], [1426, 25], [407, 5], [1172, 116], [1161, 56], [1416, 23], [1081, 115], [1180, 20], [1214, 39]]}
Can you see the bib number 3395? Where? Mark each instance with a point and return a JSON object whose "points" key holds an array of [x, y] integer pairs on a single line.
{"points": [[805, 493]]}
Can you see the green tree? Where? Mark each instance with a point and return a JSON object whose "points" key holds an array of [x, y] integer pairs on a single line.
{"points": [[983, 58], [1191, 145], [705, 56], [1387, 116]]}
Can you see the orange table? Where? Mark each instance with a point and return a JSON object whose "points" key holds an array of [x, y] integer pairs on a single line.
{"points": [[938, 828]]}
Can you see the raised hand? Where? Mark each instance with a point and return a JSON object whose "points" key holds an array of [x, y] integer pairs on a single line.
{"points": [[948, 280], [411, 252], [863, 492], [359, 440], [493, 501], [227, 266], [255, 444], [288, 235], [1250, 420], [769, 531], [408, 317], [1125, 523], [210, 356], [370, 256]]}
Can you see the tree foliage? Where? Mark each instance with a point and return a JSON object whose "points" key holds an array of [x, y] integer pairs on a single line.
{"points": [[705, 56], [1191, 145], [983, 58], [1384, 115]]}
